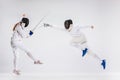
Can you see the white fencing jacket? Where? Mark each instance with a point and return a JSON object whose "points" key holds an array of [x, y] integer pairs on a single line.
{"points": [[19, 33], [76, 30]]}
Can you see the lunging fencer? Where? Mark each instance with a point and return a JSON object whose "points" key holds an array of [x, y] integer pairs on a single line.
{"points": [[78, 39], [19, 32]]}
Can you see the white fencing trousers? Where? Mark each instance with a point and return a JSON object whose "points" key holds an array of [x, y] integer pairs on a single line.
{"points": [[81, 43], [15, 46], [19, 45]]}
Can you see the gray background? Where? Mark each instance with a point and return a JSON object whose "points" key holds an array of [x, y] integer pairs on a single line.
{"points": [[52, 46]]}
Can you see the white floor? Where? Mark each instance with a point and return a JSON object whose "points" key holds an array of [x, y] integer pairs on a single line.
{"points": [[111, 76]]}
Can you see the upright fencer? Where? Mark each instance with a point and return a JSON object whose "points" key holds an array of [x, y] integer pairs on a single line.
{"points": [[19, 32], [78, 39]]}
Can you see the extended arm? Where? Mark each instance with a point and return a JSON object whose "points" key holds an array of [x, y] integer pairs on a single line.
{"points": [[54, 26]]}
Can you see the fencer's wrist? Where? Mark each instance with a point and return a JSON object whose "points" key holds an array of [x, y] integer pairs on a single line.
{"points": [[47, 25]]}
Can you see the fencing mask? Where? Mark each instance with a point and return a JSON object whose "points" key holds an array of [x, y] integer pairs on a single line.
{"points": [[26, 21], [67, 23]]}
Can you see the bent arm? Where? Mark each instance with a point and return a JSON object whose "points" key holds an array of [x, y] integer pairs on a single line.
{"points": [[87, 26], [22, 32]]}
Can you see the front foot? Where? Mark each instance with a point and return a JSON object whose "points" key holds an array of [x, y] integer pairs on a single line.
{"points": [[17, 72]]}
